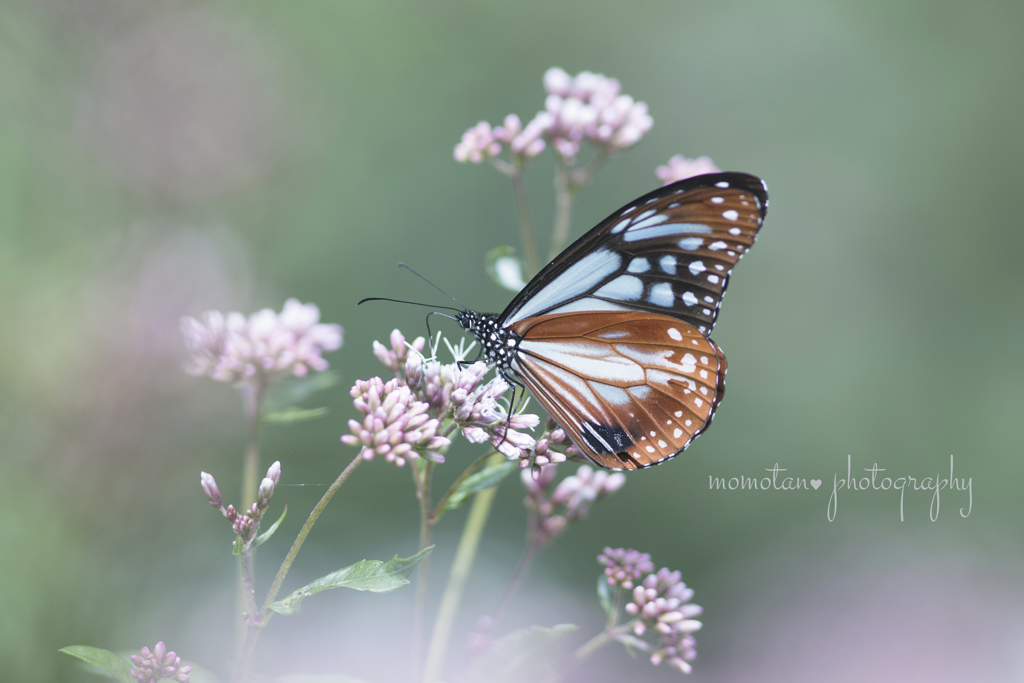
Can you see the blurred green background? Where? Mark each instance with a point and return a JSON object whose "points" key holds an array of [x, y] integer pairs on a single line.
{"points": [[163, 158]]}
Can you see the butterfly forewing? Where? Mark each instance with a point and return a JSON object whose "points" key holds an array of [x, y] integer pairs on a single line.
{"points": [[630, 388], [670, 252]]}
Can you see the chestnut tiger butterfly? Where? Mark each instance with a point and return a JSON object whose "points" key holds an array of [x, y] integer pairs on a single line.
{"points": [[612, 336]]}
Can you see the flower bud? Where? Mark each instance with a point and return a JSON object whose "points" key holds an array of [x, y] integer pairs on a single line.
{"points": [[274, 473], [265, 493], [210, 489]]}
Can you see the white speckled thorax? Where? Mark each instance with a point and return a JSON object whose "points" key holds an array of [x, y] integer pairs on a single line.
{"points": [[499, 345]]}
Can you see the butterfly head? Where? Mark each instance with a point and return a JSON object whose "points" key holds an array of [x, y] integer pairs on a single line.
{"points": [[498, 344]]}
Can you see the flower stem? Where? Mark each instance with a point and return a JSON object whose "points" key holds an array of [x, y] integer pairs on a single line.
{"points": [[567, 183], [423, 480], [588, 648], [517, 580], [251, 619], [461, 566], [438, 509], [525, 226], [564, 193], [256, 622], [252, 397]]}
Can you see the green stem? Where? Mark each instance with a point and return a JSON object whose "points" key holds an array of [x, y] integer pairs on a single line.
{"points": [[525, 226], [564, 193], [252, 397], [458, 482], [461, 566], [588, 648], [255, 622], [252, 620], [567, 183], [423, 480], [517, 580], [301, 538]]}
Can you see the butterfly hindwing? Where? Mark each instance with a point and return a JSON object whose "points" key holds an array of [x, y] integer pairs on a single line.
{"points": [[669, 252], [631, 389]]}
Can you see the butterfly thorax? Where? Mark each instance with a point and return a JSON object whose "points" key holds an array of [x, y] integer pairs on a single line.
{"points": [[499, 345]]}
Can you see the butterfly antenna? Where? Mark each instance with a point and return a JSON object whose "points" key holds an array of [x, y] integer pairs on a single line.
{"points": [[413, 303], [406, 266]]}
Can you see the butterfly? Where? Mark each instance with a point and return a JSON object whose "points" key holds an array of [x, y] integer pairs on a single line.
{"points": [[613, 336]]}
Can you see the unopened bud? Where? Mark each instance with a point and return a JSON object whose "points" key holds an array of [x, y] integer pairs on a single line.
{"points": [[274, 472], [210, 489], [265, 493]]}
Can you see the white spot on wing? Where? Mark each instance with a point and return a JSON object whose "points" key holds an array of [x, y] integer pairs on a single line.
{"points": [[652, 231], [715, 246], [722, 184], [689, 299], [690, 243], [730, 215], [639, 265], [661, 295], [623, 288], [668, 264], [675, 334], [717, 200], [620, 226], [697, 267]]}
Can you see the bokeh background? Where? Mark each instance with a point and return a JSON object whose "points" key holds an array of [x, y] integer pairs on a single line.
{"points": [[163, 158]]}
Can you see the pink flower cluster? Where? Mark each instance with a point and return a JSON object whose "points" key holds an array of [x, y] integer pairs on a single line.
{"points": [[158, 665], [394, 425], [570, 501], [587, 106], [662, 603], [680, 168], [591, 106], [403, 417], [263, 347]]}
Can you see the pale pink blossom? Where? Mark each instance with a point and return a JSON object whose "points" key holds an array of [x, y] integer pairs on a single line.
{"points": [[262, 347], [680, 168]]}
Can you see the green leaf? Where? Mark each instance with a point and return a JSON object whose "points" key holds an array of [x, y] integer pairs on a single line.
{"points": [[505, 268], [477, 482], [238, 547], [604, 596], [289, 415], [265, 536], [294, 390], [118, 666], [528, 654], [369, 575]]}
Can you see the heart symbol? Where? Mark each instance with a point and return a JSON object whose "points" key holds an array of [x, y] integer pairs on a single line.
{"points": [[815, 483]]}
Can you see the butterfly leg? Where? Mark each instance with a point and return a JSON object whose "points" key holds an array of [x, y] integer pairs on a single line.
{"points": [[515, 403]]}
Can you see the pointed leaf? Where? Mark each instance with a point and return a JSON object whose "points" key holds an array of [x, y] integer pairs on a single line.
{"points": [[477, 482], [118, 666], [369, 575], [603, 594], [238, 547], [528, 654], [294, 390], [265, 536], [289, 415], [505, 268]]}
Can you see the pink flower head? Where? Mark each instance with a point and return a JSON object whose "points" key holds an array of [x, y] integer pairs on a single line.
{"points": [[395, 425], [591, 106], [263, 347], [477, 145], [680, 168]]}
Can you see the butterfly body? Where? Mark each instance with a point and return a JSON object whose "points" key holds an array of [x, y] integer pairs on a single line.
{"points": [[612, 337]]}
